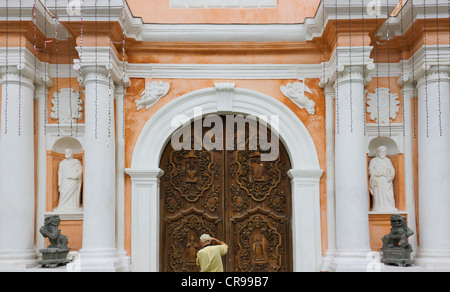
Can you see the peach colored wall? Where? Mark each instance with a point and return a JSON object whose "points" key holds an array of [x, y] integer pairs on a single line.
{"points": [[288, 11], [225, 53], [135, 121]]}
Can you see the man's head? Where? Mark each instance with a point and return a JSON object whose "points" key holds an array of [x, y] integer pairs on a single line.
{"points": [[69, 153], [205, 239], [381, 151]]}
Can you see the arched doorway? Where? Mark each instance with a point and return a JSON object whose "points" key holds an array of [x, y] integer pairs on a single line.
{"points": [[234, 195], [145, 172]]}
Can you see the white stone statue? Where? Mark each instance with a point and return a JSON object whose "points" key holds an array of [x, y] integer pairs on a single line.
{"points": [[296, 92], [382, 175], [152, 93], [69, 182]]}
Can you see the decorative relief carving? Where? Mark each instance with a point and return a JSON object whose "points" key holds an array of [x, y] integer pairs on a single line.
{"points": [[259, 242], [67, 106], [191, 175], [152, 93], [296, 92], [258, 178], [382, 105], [184, 230]]}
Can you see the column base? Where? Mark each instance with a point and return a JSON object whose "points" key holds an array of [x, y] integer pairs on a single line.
{"points": [[351, 261], [18, 260], [103, 260], [433, 260]]}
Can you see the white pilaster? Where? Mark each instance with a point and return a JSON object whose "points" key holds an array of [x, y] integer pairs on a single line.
{"points": [[120, 173], [305, 220], [17, 183], [145, 218], [331, 194], [434, 167], [408, 93]]}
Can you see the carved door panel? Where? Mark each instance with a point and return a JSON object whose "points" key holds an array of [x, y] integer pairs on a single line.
{"points": [[231, 195]]}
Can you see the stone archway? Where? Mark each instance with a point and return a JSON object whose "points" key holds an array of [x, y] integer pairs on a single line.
{"points": [[222, 99]]}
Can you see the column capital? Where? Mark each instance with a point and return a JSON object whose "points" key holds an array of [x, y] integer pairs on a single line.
{"points": [[433, 73], [406, 81], [144, 176], [431, 62], [20, 61], [351, 63], [101, 60]]}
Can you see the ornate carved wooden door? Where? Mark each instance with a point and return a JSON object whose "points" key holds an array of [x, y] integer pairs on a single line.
{"points": [[231, 195]]}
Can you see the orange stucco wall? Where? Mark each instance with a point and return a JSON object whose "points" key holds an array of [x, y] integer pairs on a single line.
{"points": [[158, 11]]}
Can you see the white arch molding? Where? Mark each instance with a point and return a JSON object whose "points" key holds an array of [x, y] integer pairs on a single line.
{"points": [[224, 98]]}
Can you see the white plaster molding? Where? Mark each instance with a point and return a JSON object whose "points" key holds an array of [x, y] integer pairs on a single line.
{"points": [[296, 92], [350, 60], [394, 131], [75, 216], [383, 106], [225, 71], [152, 93], [225, 96], [99, 60], [22, 61], [112, 10], [55, 132], [67, 106]]}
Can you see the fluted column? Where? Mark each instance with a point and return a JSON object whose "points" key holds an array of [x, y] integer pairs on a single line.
{"points": [[434, 167], [17, 183]]}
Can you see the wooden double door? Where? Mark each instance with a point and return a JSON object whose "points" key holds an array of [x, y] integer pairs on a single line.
{"points": [[232, 195]]}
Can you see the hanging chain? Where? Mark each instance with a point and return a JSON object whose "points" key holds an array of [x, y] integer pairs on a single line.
{"points": [[402, 57], [7, 69], [337, 71], [351, 68], [70, 75], [20, 69], [124, 89], [110, 98], [438, 69], [426, 64]]}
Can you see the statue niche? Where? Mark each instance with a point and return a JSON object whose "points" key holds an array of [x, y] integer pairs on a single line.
{"points": [[70, 174], [381, 180]]}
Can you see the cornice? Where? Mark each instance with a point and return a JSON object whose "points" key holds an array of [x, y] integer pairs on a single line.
{"points": [[22, 61]]}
